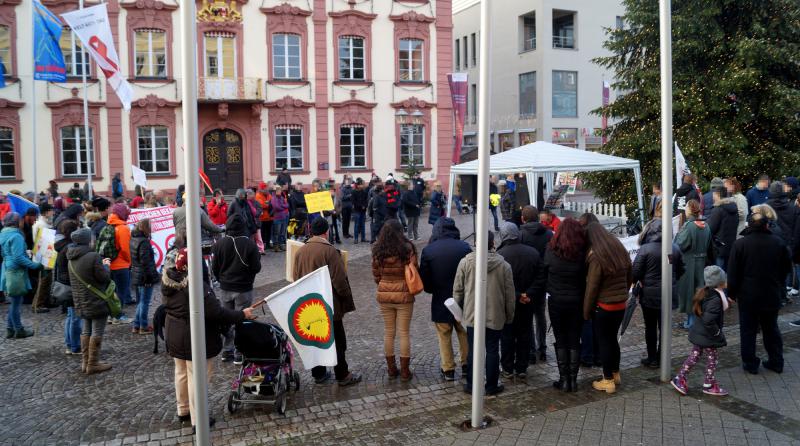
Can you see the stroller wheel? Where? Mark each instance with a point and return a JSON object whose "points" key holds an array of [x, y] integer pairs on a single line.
{"points": [[233, 403], [296, 378], [280, 403]]}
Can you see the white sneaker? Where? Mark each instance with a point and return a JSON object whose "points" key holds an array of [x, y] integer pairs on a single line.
{"points": [[793, 291]]}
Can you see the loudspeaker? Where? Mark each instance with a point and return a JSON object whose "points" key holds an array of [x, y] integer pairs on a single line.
{"points": [[469, 189]]}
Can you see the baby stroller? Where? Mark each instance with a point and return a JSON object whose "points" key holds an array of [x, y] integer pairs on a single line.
{"points": [[267, 372], [297, 224]]}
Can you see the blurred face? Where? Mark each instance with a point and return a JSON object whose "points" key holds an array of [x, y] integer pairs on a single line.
{"points": [[763, 184], [656, 190], [544, 217], [787, 188], [729, 187]]}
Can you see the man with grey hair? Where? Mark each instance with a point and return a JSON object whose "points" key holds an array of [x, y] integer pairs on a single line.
{"points": [[240, 206]]}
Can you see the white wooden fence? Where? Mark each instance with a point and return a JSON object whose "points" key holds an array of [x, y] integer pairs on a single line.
{"points": [[603, 209]]}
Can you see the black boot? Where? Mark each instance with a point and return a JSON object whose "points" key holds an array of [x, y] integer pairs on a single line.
{"points": [[562, 358], [574, 367]]}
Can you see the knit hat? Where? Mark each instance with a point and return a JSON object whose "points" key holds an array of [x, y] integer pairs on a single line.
{"points": [[319, 227], [121, 210], [182, 260], [714, 276], [508, 231], [792, 182], [82, 236], [717, 182], [100, 203], [262, 186], [776, 189]]}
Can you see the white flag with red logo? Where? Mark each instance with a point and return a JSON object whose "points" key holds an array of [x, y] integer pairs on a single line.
{"points": [[93, 29]]}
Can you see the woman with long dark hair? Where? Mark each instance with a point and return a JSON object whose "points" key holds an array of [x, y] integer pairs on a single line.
{"points": [[566, 284], [391, 254], [608, 280]]}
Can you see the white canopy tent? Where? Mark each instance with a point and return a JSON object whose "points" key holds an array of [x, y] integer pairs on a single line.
{"points": [[540, 158]]}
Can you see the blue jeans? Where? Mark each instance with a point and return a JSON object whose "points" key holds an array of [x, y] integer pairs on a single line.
{"points": [[122, 277], [494, 216], [457, 202], [144, 294], [689, 320], [722, 262], [72, 330], [492, 357], [359, 226], [14, 321], [279, 231]]}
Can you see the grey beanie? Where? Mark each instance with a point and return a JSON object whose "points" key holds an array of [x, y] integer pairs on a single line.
{"points": [[714, 276], [508, 231], [717, 182], [82, 236]]}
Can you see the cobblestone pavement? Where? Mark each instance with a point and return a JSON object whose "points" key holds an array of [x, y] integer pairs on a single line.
{"points": [[48, 401]]}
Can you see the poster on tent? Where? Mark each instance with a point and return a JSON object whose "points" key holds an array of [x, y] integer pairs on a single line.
{"points": [[569, 179], [44, 250], [163, 231]]}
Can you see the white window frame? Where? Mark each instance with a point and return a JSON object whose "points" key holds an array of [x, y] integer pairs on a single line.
{"points": [[7, 54], [220, 56], [153, 149], [150, 57], [80, 139], [410, 52], [289, 130], [412, 153], [75, 41], [10, 143], [350, 130], [352, 59], [286, 75]]}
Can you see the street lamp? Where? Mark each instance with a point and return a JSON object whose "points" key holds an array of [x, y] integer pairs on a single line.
{"points": [[416, 117], [401, 116]]}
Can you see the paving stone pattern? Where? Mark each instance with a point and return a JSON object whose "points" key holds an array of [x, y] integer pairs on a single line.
{"points": [[48, 401]]}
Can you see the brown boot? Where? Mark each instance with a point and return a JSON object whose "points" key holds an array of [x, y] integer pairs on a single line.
{"points": [[84, 352], [94, 365], [391, 367], [405, 372]]}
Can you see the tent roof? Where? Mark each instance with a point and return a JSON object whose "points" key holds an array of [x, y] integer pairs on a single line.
{"points": [[542, 156]]}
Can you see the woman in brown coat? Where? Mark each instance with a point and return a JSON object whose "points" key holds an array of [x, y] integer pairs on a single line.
{"points": [[390, 255]]}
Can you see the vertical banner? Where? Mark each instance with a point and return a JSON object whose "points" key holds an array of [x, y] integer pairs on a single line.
{"points": [[606, 98], [93, 29], [458, 93], [48, 61], [681, 168]]}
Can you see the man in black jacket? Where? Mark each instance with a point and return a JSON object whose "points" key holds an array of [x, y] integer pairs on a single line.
{"points": [[360, 202], [788, 222], [437, 269], [687, 191], [723, 219], [411, 208], [377, 211], [537, 236], [757, 272], [419, 187], [529, 283], [236, 263], [346, 192]]}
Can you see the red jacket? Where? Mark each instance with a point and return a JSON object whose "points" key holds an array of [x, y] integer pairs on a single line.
{"points": [[553, 223], [218, 212]]}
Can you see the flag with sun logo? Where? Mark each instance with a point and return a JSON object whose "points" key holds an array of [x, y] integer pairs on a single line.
{"points": [[304, 310]]}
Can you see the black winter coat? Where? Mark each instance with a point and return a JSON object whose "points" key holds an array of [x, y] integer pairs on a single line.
{"points": [[527, 267], [360, 200], [89, 266], [175, 290], [411, 203], [707, 331], [757, 270], [143, 263], [723, 220], [236, 258], [535, 235], [683, 194], [438, 265], [566, 281], [61, 271], [242, 208], [788, 215], [378, 209], [647, 267]]}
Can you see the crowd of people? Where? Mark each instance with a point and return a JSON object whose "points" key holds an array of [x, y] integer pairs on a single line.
{"points": [[571, 272]]}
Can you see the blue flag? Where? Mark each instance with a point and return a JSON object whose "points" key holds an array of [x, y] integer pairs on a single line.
{"points": [[48, 61], [2, 74], [19, 204]]}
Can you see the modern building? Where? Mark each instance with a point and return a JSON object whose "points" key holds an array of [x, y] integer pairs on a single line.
{"points": [[544, 83], [321, 87]]}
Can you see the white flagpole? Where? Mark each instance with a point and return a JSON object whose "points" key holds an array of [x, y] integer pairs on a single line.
{"points": [[190, 138], [33, 105], [89, 164], [481, 226], [665, 14]]}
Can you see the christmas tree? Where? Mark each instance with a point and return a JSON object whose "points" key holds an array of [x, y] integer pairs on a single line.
{"points": [[736, 87]]}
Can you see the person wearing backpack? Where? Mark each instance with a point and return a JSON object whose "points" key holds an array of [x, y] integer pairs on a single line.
{"points": [[88, 268], [143, 275], [115, 244], [236, 263]]}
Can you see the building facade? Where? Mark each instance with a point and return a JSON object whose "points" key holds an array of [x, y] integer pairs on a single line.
{"points": [[323, 88], [544, 83]]}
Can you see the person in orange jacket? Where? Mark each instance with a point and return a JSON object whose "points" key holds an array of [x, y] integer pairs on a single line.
{"points": [[121, 264], [549, 219], [264, 198], [218, 208]]}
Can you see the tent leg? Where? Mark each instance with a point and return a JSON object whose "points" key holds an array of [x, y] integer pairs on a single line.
{"points": [[450, 189], [533, 182], [637, 174]]}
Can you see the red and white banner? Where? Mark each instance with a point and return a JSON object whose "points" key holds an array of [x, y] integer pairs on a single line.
{"points": [[92, 27], [163, 231], [458, 92]]}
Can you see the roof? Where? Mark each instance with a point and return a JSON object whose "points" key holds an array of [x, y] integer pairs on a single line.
{"points": [[542, 156]]}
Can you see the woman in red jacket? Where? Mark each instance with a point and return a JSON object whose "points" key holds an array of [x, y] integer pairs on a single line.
{"points": [[218, 208]]}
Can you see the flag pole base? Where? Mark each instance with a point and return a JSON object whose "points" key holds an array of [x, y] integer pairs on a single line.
{"points": [[466, 426]]}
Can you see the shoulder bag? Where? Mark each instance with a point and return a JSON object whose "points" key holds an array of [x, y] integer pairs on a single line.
{"points": [[413, 280], [61, 293], [109, 295]]}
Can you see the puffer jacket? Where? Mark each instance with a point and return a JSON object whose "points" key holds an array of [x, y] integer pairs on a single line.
{"points": [[602, 287], [723, 220], [391, 279], [143, 263], [61, 271], [707, 331], [566, 281], [647, 266], [88, 265], [175, 290]]}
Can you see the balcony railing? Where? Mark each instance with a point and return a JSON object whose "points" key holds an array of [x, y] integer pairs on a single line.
{"points": [[229, 89], [530, 44], [563, 42]]}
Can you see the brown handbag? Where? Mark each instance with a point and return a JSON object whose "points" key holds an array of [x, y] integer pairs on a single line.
{"points": [[413, 280]]}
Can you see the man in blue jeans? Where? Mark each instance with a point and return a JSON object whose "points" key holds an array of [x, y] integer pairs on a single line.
{"points": [[500, 301], [360, 200]]}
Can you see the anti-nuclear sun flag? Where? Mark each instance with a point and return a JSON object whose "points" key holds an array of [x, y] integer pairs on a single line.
{"points": [[304, 310]]}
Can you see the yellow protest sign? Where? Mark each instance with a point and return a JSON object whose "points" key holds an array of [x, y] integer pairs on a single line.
{"points": [[318, 202]]}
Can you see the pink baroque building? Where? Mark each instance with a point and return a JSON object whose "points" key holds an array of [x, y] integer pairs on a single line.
{"points": [[322, 88]]}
